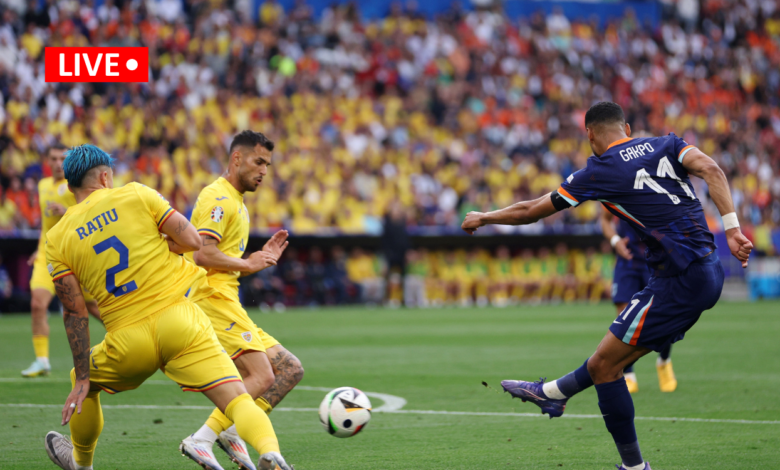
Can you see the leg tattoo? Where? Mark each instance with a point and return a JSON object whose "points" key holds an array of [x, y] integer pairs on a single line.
{"points": [[287, 373]]}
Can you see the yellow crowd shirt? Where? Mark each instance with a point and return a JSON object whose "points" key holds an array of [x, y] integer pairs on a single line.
{"points": [[220, 213], [111, 242]]}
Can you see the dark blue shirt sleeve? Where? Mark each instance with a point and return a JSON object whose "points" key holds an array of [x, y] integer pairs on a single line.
{"points": [[681, 147], [580, 186]]}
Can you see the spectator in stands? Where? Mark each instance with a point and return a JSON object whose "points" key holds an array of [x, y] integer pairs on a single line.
{"points": [[9, 216], [11, 300], [418, 270], [365, 270]]}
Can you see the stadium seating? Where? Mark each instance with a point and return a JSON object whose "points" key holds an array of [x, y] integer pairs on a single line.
{"points": [[445, 116]]}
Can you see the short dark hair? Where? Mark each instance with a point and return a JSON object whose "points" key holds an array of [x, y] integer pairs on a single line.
{"points": [[604, 112], [56, 146], [251, 139]]}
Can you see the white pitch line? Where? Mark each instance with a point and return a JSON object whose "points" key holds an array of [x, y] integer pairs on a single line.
{"points": [[391, 402], [411, 412]]}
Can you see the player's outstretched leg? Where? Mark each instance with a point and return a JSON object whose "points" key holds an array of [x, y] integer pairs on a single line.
{"points": [[251, 423], [85, 428], [666, 379], [287, 372], [551, 397], [258, 376], [606, 368]]}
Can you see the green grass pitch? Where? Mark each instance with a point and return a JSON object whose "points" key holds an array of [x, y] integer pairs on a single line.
{"points": [[727, 368]]}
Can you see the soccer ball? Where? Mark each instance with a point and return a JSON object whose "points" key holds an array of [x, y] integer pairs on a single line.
{"points": [[345, 411]]}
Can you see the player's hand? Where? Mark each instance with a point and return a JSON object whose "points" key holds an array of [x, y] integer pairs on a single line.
{"points": [[621, 248], [75, 399], [739, 245], [260, 260], [277, 244], [31, 259], [472, 222], [56, 209]]}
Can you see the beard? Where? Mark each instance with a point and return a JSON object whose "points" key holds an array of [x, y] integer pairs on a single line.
{"points": [[248, 183]]}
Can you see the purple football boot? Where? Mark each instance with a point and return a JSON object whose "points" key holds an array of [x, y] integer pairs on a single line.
{"points": [[532, 391], [647, 467]]}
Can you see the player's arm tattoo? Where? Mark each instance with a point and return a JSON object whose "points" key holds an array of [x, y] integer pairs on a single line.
{"points": [[209, 241], [287, 373], [182, 227], [76, 323]]}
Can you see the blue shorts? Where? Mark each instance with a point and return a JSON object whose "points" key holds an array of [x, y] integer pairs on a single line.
{"points": [[627, 281], [663, 311]]}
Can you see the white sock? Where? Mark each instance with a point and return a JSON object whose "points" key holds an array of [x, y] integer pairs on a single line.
{"points": [[630, 376], [205, 434], [552, 391], [660, 362], [232, 430], [641, 466], [44, 361]]}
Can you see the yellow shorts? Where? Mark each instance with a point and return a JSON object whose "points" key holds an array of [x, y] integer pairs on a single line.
{"points": [[178, 339], [235, 330], [41, 279]]}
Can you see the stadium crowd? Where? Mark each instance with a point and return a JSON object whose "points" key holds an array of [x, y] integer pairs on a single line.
{"points": [[472, 110], [433, 278]]}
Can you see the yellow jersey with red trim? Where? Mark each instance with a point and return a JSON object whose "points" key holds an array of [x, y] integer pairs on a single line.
{"points": [[111, 242], [51, 191], [220, 213]]}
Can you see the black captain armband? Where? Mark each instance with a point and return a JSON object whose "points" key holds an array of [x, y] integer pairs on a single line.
{"points": [[558, 201]]}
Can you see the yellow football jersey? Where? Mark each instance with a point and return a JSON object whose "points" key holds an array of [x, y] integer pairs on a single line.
{"points": [[50, 191], [111, 241], [220, 213]]}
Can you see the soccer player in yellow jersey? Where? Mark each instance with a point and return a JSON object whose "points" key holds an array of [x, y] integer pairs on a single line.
{"points": [[221, 218], [54, 199], [110, 242]]}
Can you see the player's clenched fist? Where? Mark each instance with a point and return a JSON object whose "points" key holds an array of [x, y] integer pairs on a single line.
{"points": [[739, 245], [472, 222]]}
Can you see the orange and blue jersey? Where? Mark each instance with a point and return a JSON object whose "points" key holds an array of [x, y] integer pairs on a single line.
{"points": [[643, 182]]}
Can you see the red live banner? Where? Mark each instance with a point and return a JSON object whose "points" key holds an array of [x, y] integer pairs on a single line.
{"points": [[97, 64]]}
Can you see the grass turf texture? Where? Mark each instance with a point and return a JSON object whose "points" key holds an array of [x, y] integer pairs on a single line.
{"points": [[436, 360]]}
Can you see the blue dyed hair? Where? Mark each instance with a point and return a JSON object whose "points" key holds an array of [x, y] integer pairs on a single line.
{"points": [[79, 160]]}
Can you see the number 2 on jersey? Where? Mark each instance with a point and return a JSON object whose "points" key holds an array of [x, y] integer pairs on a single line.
{"points": [[124, 263]]}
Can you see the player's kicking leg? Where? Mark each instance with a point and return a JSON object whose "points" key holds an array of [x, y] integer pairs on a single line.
{"points": [[604, 370], [662, 313], [268, 377]]}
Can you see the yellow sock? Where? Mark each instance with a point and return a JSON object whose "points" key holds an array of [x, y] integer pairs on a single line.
{"points": [[41, 345], [264, 405], [218, 422], [252, 424], [85, 428]]}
